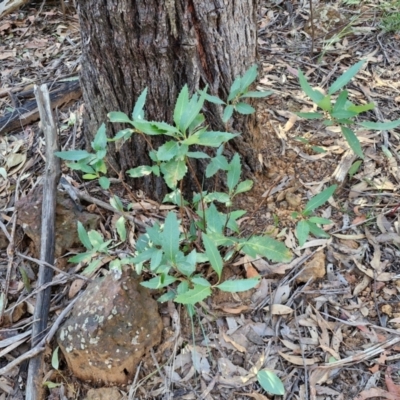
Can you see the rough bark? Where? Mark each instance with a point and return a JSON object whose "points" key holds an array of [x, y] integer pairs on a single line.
{"points": [[162, 44]]}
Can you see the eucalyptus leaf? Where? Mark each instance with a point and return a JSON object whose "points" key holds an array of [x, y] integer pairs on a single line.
{"points": [[346, 77], [302, 232], [270, 382], [380, 126], [314, 95], [319, 199], [213, 255], [240, 285], [352, 141]]}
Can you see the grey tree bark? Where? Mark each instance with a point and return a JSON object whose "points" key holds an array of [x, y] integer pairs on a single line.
{"points": [[128, 45]]}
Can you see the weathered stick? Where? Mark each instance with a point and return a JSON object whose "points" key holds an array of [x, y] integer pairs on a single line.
{"points": [[34, 387]]}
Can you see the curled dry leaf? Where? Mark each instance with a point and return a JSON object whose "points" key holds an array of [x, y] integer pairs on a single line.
{"points": [[297, 360], [279, 309]]}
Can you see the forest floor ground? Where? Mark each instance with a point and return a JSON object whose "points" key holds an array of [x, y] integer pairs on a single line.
{"points": [[334, 330]]}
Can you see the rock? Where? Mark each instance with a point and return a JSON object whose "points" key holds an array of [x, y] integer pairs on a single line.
{"points": [[314, 268], [104, 394], [30, 218], [112, 326]]}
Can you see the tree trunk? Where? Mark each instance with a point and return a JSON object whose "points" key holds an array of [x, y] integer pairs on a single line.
{"points": [[128, 45]]}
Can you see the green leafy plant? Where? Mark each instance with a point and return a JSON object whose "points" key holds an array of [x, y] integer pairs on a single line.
{"points": [[309, 224], [341, 112], [173, 254], [91, 164]]}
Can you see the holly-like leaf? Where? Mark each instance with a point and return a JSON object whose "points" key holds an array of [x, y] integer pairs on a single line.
{"points": [[193, 296], [267, 247], [173, 172]]}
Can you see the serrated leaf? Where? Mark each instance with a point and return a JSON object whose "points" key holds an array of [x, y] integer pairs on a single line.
{"points": [[168, 150], [217, 163], [248, 78], [314, 95], [270, 382], [104, 182], [199, 280], [240, 285], [267, 247], [319, 199], [118, 116], [228, 111], [345, 78], [213, 255], [197, 154], [234, 172], [73, 155], [244, 108], [173, 172], [138, 172], [193, 296], [137, 112], [83, 236], [380, 126], [244, 186], [302, 231], [159, 282], [181, 103], [121, 229], [213, 219], [257, 94], [170, 237], [193, 110], [352, 141], [310, 115], [156, 259]]}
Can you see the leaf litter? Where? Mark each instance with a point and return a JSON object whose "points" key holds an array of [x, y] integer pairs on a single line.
{"points": [[328, 322]]}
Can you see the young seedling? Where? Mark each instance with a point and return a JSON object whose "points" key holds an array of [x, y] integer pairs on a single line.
{"points": [[309, 224]]}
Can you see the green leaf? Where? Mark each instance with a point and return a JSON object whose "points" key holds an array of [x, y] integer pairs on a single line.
{"points": [[156, 128], [217, 163], [137, 112], [83, 236], [228, 111], [244, 108], [235, 89], [138, 172], [267, 247], [199, 280], [209, 138], [352, 141], [100, 139], [159, 282], [213, 219], [213, 255], [170, 295], [168, 150], [156, 259], [270, 382], [104, 182], [244, 186], [173, 172], [354, 168], [345, 78], [192, 110], [73, 155], [234, 171], [314, 95], [212, 99], [187, 264], [82, 257], [221, 197], [89, 176], [325, 103], [118, 116], [116, 203], [193, 296], [55, 363], [181, 103], [302, 231], [239, 285], [341, 101], [320, 220], [380, 126], [319, 199], [121, 229], [310, 115], [257, 94], [342, 114], [123, 134], [248, 78], [92, 268], [170, 237], [317, 231], [361, 108]]}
